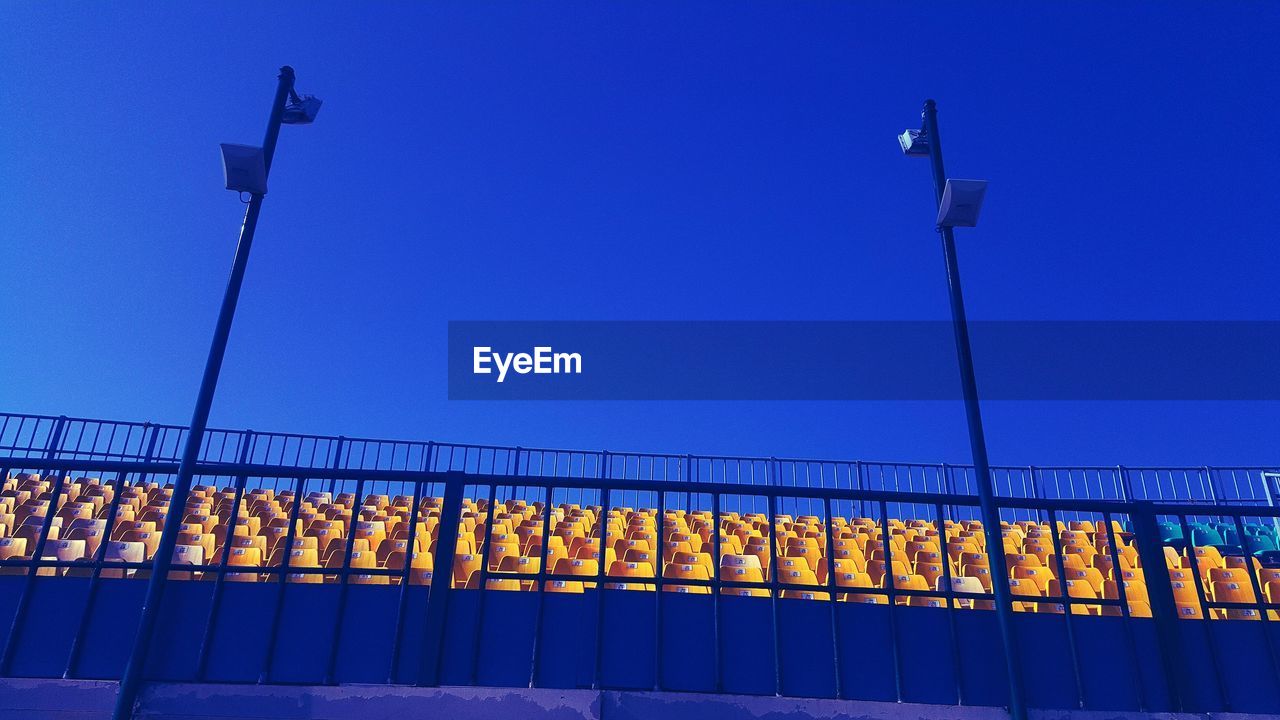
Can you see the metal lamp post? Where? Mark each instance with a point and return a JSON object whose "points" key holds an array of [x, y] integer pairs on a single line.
{"points": [[285, 107], [952, 212]]}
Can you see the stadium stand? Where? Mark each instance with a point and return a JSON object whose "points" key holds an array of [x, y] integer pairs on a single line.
{"points": [[320, 560], [310, 538]]}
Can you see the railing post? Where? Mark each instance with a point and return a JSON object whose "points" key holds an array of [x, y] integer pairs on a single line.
{"points": [[1126, 488], [337, 463], [1215, 498], [241, 485], [273, 627], [775, 591], [148, 458], [24, 600], [73, 656], [52, 450], [442, 578], [602, 530], [543, 553], [406, 574], [717, 589], [1164, 609], [1266, 488], [1271, 496]]}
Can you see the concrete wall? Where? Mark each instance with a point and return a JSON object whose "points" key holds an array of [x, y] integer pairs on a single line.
{"points": [[92, 700], [56, 699]]}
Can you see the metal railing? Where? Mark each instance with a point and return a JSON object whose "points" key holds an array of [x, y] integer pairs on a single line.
{"points": [[70, 438], [133, 455]]}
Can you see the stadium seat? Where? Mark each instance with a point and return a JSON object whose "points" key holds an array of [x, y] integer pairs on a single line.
{"points": [[243, 557]]}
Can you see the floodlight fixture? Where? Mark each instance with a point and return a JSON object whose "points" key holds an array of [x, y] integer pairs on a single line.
{"points": [[914, 143], [961, 203], [244, 168], [301, 110]]}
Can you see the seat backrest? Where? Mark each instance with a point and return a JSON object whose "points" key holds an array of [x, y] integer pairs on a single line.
{"points": [[12, 548], [125, 551], [188, 555], [250, 557], [964, 583]]}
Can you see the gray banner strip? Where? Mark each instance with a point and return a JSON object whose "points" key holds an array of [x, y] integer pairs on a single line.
{"points": [[861, 360]]}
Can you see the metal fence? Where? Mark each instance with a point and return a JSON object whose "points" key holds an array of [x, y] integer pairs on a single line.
{"points": [[69, 438], [1139, 507]]}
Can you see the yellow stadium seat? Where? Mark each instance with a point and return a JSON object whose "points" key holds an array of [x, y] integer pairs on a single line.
{"points": [[686, 572], [969, 584], [564, 586], [1231, 591], [243, 557], [1076, 590], [464, 567], [622, 568]]}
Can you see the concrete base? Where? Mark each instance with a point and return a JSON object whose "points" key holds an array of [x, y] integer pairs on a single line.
{"points": [[56, 699], [23, 699]]}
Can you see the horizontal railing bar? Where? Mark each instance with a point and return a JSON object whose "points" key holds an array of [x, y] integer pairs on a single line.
{"points": [[653, 457], [551, 577], [261, 471]]}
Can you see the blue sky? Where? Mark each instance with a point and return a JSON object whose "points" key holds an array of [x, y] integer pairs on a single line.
{"points": [[519, 161]]}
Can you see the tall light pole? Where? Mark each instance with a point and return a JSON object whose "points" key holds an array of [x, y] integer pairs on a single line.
{"points": [[918, 144], [281, 110]]}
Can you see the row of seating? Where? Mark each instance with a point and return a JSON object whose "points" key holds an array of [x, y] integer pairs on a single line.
{"points": [[1257, 538], [382, 540]]}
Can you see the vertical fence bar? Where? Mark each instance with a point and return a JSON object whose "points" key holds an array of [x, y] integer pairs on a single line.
{"points": [[1068, 605], [406, 575], [206, 641], [1123, 486], [344, 583], [1215, 495], [438, 600], [544, 552], [1258, 598], [1164, 608], [1207, 623], [775, 590], [73, 657], [716, 588], [890, 586], [486, 556], [337, 463], [658, 590], [273, 630], [859, 484], [833, 597], [951, 605], [241, 484], [602, 530], [1122, 594], [37, 553]]}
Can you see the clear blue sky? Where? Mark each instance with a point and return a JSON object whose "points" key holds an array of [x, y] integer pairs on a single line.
{"points": [[625, 161]]}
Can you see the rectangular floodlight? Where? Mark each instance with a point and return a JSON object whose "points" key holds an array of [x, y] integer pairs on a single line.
{"points": [[914, 143], [961, 202], [244, 168], [301, 111]]}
